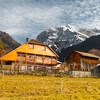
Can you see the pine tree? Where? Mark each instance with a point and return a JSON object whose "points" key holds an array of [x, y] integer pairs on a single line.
{"points": [[1, 48]]}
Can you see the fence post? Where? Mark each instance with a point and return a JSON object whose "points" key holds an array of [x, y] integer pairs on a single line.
{"points": [[3, 74], [61, 84]]}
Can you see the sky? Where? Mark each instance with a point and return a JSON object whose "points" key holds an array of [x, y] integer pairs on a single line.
{"points": [[28, 18]]}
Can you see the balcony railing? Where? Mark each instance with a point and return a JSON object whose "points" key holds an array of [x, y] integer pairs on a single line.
{"points": [[38, 60]]}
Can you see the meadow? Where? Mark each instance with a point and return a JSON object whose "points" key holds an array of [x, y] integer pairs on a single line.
{"points": [[29, 87]]}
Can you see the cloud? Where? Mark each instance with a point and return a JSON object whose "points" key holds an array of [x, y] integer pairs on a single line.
{"points": [[13, 30], [31, 17]]}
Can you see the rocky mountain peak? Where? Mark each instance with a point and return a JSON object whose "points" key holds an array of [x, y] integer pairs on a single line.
{"points": [[62, 37]]}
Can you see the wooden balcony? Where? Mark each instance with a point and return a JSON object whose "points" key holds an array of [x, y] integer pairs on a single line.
{"points": [[21, 58], [37, 60], [53, 62]]}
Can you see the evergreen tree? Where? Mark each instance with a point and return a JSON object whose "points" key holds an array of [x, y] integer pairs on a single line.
{"points": [[1, 48]]}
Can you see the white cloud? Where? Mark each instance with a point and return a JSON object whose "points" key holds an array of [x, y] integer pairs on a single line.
{"points": [[33, 16], [13, 31]]}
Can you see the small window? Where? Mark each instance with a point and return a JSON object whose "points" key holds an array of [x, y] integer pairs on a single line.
{"points": [[18, 54], [30, 56], [43, 48], [31, 46]]}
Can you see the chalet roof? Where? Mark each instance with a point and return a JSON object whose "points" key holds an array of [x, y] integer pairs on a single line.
{"points": [[87, 54], [11, 56], [52, 51], [35, 41]]}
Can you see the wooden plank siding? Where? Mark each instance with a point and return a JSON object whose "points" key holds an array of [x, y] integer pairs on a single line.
{"points": [[74, 57], [88, 63]]}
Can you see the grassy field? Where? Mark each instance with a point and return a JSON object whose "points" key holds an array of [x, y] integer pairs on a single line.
{"points": [[27, 87]]}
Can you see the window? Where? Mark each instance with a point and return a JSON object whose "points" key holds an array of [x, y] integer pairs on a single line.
{"points": [[30, 56], [31, 46], [21, 54], [43, 48]]}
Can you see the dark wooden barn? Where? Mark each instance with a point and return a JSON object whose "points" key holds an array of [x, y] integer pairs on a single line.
{"points": [[81, 61]]}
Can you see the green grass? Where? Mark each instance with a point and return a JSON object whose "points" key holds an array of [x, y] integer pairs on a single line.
{"points": [[27, 87]]}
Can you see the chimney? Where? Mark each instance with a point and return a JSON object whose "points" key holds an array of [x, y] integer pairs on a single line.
{"points": [[27, 39]]}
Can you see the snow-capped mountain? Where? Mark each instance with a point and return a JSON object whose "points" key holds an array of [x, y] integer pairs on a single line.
{"points": [[90, 32], [62, 37]]}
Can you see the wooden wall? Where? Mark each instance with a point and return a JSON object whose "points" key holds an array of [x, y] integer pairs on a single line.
{"points": [[74, 57], [73, 61], [88, 63]]}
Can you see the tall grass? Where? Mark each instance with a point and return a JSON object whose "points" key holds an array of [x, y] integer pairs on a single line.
{"points": [[27, 87]]}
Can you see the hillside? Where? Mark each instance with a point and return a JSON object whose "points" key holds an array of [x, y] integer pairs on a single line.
{"points": [[90, 43], [8, 41]]}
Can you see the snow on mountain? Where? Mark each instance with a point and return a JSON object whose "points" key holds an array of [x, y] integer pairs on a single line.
{"points": [[62, 37]]}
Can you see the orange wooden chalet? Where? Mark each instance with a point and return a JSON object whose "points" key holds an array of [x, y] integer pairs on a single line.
{"points": [[30, 56]]}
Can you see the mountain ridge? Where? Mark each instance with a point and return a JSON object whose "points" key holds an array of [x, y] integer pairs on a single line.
{"points": [[62, 37], [8, 42]]}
